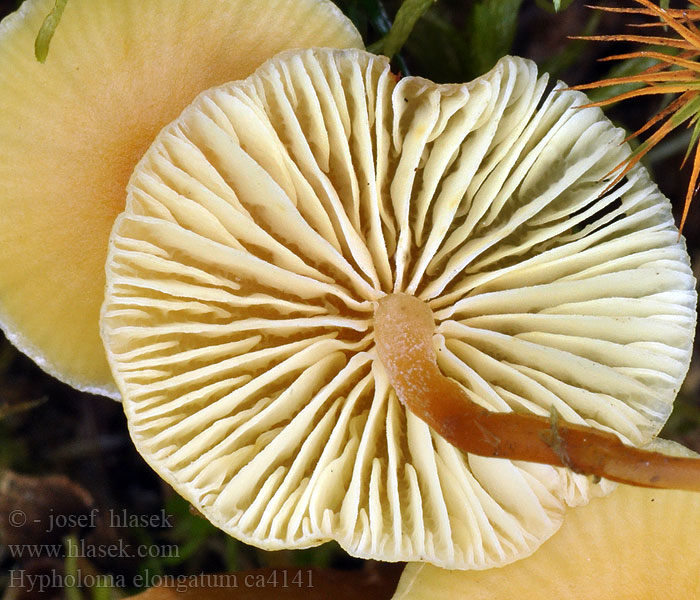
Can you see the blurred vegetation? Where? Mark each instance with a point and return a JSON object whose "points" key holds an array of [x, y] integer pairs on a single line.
{"points": [[49, 428]]}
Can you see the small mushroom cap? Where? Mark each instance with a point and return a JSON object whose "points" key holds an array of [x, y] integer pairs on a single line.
{"points": [[72, 130], [636, 543], [264, 224]]}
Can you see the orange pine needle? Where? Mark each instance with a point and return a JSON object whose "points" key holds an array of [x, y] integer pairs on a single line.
{"points": [[681, 60], [683, 75], [650, 91], [684, 32], [643, 39], [671, 108], [692, 187], [674, 12], [672, 74], [641, 152]]}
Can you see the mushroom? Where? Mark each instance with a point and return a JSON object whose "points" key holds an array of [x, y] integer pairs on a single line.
{"points": [[73, 129], [268, 228], [636, 543]]}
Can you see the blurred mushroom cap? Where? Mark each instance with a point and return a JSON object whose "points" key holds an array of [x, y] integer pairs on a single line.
{"points": [[636, 543], [263, 225], [72, 130]]}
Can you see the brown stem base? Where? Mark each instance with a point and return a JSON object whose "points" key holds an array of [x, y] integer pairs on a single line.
{"points": [[404, 328]]}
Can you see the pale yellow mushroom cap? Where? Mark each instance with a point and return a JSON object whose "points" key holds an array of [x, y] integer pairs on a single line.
{"points": [[636, 544], [72, 130], [263, 225]]}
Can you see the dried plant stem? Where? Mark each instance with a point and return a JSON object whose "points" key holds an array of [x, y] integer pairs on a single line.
{"points": [[404, 328], [661, 78]]}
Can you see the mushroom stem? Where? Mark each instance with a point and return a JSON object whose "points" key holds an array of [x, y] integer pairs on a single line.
{"points": [[404, 328]]}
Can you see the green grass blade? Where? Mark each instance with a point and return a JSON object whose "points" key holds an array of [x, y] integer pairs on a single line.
{"points": [[406, 18], [553, 5], [693, 139], [490, 31], [48, 28], [71, 592]]}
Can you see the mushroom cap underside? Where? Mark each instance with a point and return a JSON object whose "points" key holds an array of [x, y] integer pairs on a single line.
{"points": [[72, 130], [265, 222], [635, 543]]}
